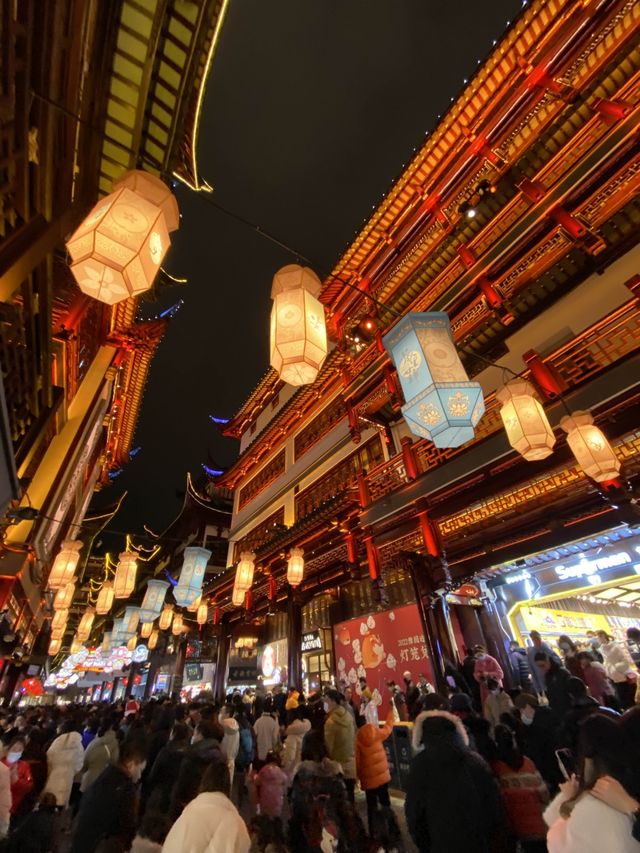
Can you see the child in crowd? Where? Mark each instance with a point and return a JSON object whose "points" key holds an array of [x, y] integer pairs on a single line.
{"points": [[271, 787]]}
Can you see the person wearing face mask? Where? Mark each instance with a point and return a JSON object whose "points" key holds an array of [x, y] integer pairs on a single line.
{"points": [[619, 668], [569, 652], [21, 780], [556, 684], [496, 704], [108, 810], [537, 675], [537, 736], [486, 667]]}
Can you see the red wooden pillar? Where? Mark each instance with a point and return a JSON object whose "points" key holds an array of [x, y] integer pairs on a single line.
{"points": [[372, 558], [430, 534], [364, 498], [409, 457]]}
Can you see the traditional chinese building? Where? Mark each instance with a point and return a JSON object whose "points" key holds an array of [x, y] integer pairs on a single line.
{"points": [[87, 92], [518, 217]]}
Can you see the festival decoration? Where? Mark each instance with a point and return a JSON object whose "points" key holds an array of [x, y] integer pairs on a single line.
{"points": [[117, 250], [86, 624], [525, 421], [65, 564], [106, 598], [76, 645], [237, 596], [64, 596], [189, 584], [153, 639], [165, 617], [245, 571], [441, 403], [130, 620], [590, 447], [145, 630], [54, 646], [178, 624], [193, 607], [59, 620], [105, 647], [298, 342], [153, 600], [295, 567], [125, 579], [132, 643], [203, 613]]}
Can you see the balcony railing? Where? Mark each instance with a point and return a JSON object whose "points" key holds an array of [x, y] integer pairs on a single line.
{"points": [[598, 347]]}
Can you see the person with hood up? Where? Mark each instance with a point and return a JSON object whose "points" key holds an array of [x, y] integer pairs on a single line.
{"points": [[102, 751], [520, 666], [210, 823], [496, 704], [372, 765], [432, 702], [64, 758], [453, 803], [486, 667], [231, 738], [205, 748], [340, 738], [20, 778], [294, 733], [619, 667], [271, 787], [478, 728]]}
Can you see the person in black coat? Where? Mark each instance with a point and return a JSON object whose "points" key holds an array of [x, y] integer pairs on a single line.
{"points": [[536, 731], [520, 666], [108, 809], [582, 706], [453, 803], [164, 772], [205, 748], [556, 679]]}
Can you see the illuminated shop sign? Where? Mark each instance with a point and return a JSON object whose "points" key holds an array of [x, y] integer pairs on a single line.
{"points": [[311, 641], [587, 568], [518, 577]]}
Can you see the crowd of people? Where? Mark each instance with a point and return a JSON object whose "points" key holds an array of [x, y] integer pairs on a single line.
{"points": [[552, 764]]}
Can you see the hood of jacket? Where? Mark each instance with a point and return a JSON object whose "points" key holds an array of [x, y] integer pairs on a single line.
{"points": [[298, 727], [427, 715], [68, 741], [341, 717]]}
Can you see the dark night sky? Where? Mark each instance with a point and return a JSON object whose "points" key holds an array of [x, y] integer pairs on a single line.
{"points": [[311, 109]]}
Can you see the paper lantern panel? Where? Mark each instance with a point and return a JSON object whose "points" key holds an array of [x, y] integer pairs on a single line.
{"points": [[189, 584], [153, 600], [525, 421], [590, 447]]}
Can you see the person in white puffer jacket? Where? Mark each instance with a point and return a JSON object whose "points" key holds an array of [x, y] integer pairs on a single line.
{"points": [[294, 735], [65, 757], [619, 667], [231, 741]]}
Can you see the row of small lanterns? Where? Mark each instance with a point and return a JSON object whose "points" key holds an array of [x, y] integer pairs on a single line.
{"points": [[245, 570]]}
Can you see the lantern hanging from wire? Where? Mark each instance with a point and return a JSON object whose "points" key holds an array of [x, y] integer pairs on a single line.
{"points": [[237, 596], [105, 648], [189, 584], [86, 624], [59, 620], [65, 564], [245, 571], [117, 250], [145, 630], [203, 613], [58, 631], [295, 567], [178, 624], [106, 598], [64, 596], [54, 646], [75, 647], [165, 617], [124, 582], [153, 600], [132, 643], [525, 421], [590, 447], [441, 403], [193, 607], [298, 342], [152, 642], [130, 620]]}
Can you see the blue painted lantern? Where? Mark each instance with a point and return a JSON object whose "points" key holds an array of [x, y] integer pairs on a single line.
{"points": [[153, 600], [441, 403], [189, 585]]}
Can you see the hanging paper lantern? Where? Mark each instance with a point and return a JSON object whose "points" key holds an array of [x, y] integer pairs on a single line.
{"points": [[178, 624], [65, 564], [589, 445], [193, 607], [105, 599], [145, 630], [237, 596], [54, 646], [245, 570], [165, 617], [86, 624], [105, 648], [76, 645], [58, 632], [189, 584], [64, 596], [295, 567], [125, 580], [153, 639], [525, 421], [130, 620], [117, 250], [59, 620], [298, 329], [441, 403], [132, 643], [203, 613], [153, 600]]}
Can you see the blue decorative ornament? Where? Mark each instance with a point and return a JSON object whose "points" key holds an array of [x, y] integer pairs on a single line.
{"points": [[189, 585], [153, 600], [441, 403]]}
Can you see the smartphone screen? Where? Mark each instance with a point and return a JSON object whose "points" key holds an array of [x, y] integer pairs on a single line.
{"points": [[566, 762]]}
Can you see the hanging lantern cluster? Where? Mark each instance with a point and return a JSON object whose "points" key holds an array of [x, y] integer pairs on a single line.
{"points": [[298, 330], [65, 564], [441, 403], [59, 624], [106, 598], [295, 567], [145, 630], [153, 639], [64, 596], [75, 647], [54, 646], [86, 624], [189, 584], [132, 643], [525, 421], [165, 617], [178, 624], [119, 247], [590, 447], [153, 600], [124, 582]]}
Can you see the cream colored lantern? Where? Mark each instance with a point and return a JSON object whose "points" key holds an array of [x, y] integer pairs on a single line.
{"points": [[76, 645], [193, 607], [125, 580], [525, 421], [65, 564], [54, 646], [245, 570], [64, 596], [237, 596], [59, 620], [105, 648], [119, 247], [132, 643], [86, 624], [58, 632], [106, 598], [145, 630], [298, 329], [130, 620], [178, 624], [203, 613], [166, 616], [295, 567], [589, 445], [153, 639]]}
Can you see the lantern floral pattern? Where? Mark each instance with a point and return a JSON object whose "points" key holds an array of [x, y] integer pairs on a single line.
{"points": [[153, 600], [189, 584], [590, 447], [525, 421]]}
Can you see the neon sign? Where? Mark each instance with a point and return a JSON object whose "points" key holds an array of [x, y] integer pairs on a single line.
{"points": [[586, 568], [524, 575]]}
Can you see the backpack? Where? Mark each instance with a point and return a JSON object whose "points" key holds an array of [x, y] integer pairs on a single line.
{"points": [[245, 749]]}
